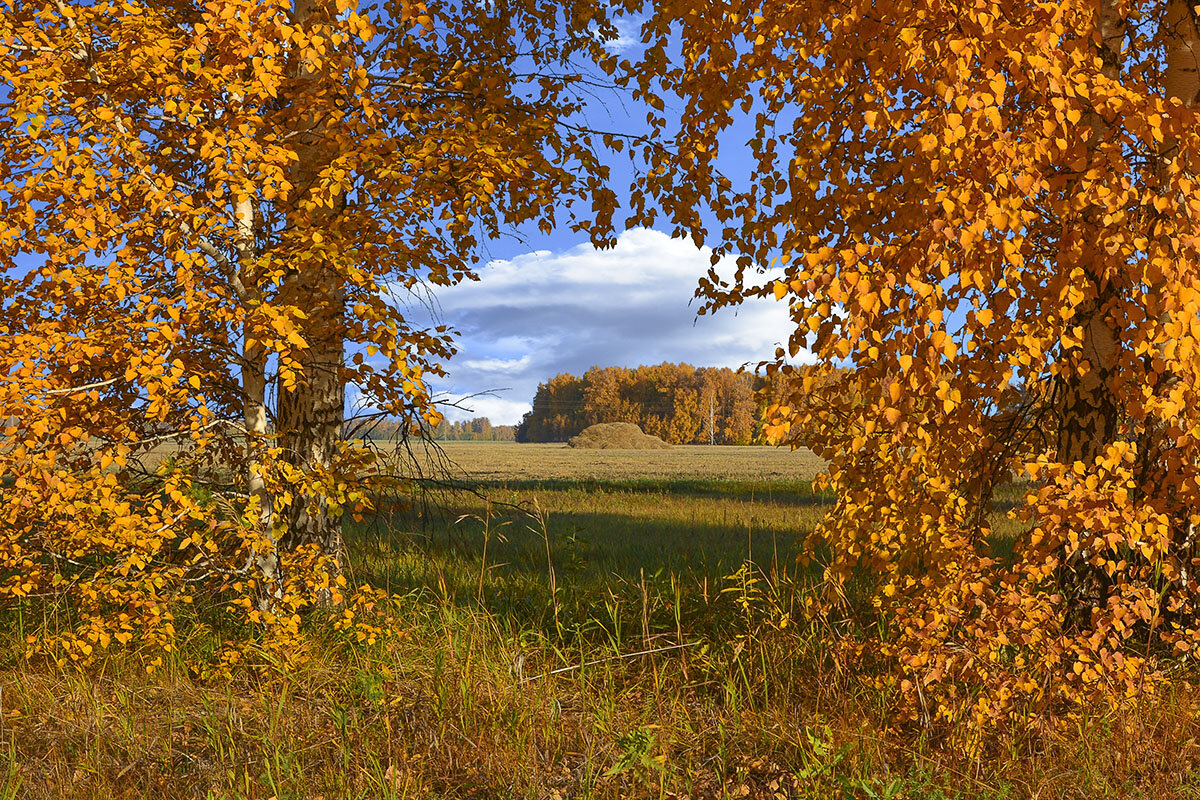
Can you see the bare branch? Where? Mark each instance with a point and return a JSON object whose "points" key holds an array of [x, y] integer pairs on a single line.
{"points": [[85, 388]]}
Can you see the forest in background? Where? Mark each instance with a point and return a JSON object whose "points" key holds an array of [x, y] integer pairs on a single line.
{"points": [[679, 403]]}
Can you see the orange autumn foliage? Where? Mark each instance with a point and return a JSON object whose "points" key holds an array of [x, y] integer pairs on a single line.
{"points": [[678, 403], [985, 214], [206, 212]]}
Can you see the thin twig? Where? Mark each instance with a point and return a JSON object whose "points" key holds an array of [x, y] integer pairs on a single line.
{"points": [[86, 388], [620, 657]]}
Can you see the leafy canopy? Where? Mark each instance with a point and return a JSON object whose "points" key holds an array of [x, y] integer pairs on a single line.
{"points": [[986, 212], [196, 195]]}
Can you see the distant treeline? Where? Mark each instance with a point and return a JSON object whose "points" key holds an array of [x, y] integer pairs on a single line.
{"points": [[479, 429], [679, 403]]}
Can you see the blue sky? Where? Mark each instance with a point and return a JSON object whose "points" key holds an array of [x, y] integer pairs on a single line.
{"points": [[534, 315], [546, 304], [550, 303]]}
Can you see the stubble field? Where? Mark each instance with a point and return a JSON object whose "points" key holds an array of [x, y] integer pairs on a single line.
{"points": [[506, 462]]}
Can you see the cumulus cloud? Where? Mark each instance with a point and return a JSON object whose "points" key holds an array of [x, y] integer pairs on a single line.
{"points": [[531, 317]]}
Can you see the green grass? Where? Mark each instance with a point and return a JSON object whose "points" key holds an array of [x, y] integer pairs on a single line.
{"points": [[630, 634]]}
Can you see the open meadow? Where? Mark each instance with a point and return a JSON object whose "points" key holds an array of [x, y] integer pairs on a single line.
{"points": [[508, 462], [565, 624]]}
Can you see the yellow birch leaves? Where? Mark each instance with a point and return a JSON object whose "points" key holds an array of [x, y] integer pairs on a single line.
{"points": [[978, 216], [153, 231]]}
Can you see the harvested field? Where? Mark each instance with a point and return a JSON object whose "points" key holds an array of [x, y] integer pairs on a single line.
{"points": [[502, 462]]}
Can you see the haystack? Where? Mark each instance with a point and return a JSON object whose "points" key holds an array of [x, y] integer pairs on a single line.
{"points": [[617, 436]]}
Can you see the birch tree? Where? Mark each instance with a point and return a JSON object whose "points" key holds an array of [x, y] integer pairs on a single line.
{"points": [[207, 213], [982, 217]]}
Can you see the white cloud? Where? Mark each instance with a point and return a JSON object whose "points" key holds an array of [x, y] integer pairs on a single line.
{"points": [[536, 315], [496, 409], [629, 35], [506, 365]]}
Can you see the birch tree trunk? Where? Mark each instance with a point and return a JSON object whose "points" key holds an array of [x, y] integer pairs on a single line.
{"points": [[310, 414], [1088, 414], [1087, 411], [1086, 407], [1181, 79], [264, 560]]}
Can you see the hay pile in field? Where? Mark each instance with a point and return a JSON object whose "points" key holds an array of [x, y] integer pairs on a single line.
{"points": [[617, 436]]}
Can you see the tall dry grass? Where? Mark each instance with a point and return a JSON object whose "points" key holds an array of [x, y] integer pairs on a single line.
{"points": [[613, 637]]}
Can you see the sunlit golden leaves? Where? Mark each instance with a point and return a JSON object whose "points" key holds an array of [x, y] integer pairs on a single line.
{"points": [[979, 214], [156, 221]]}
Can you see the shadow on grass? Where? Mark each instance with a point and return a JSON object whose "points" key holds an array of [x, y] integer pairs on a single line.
{"points": [[612, 542], [610, 571], [795, 493]]}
